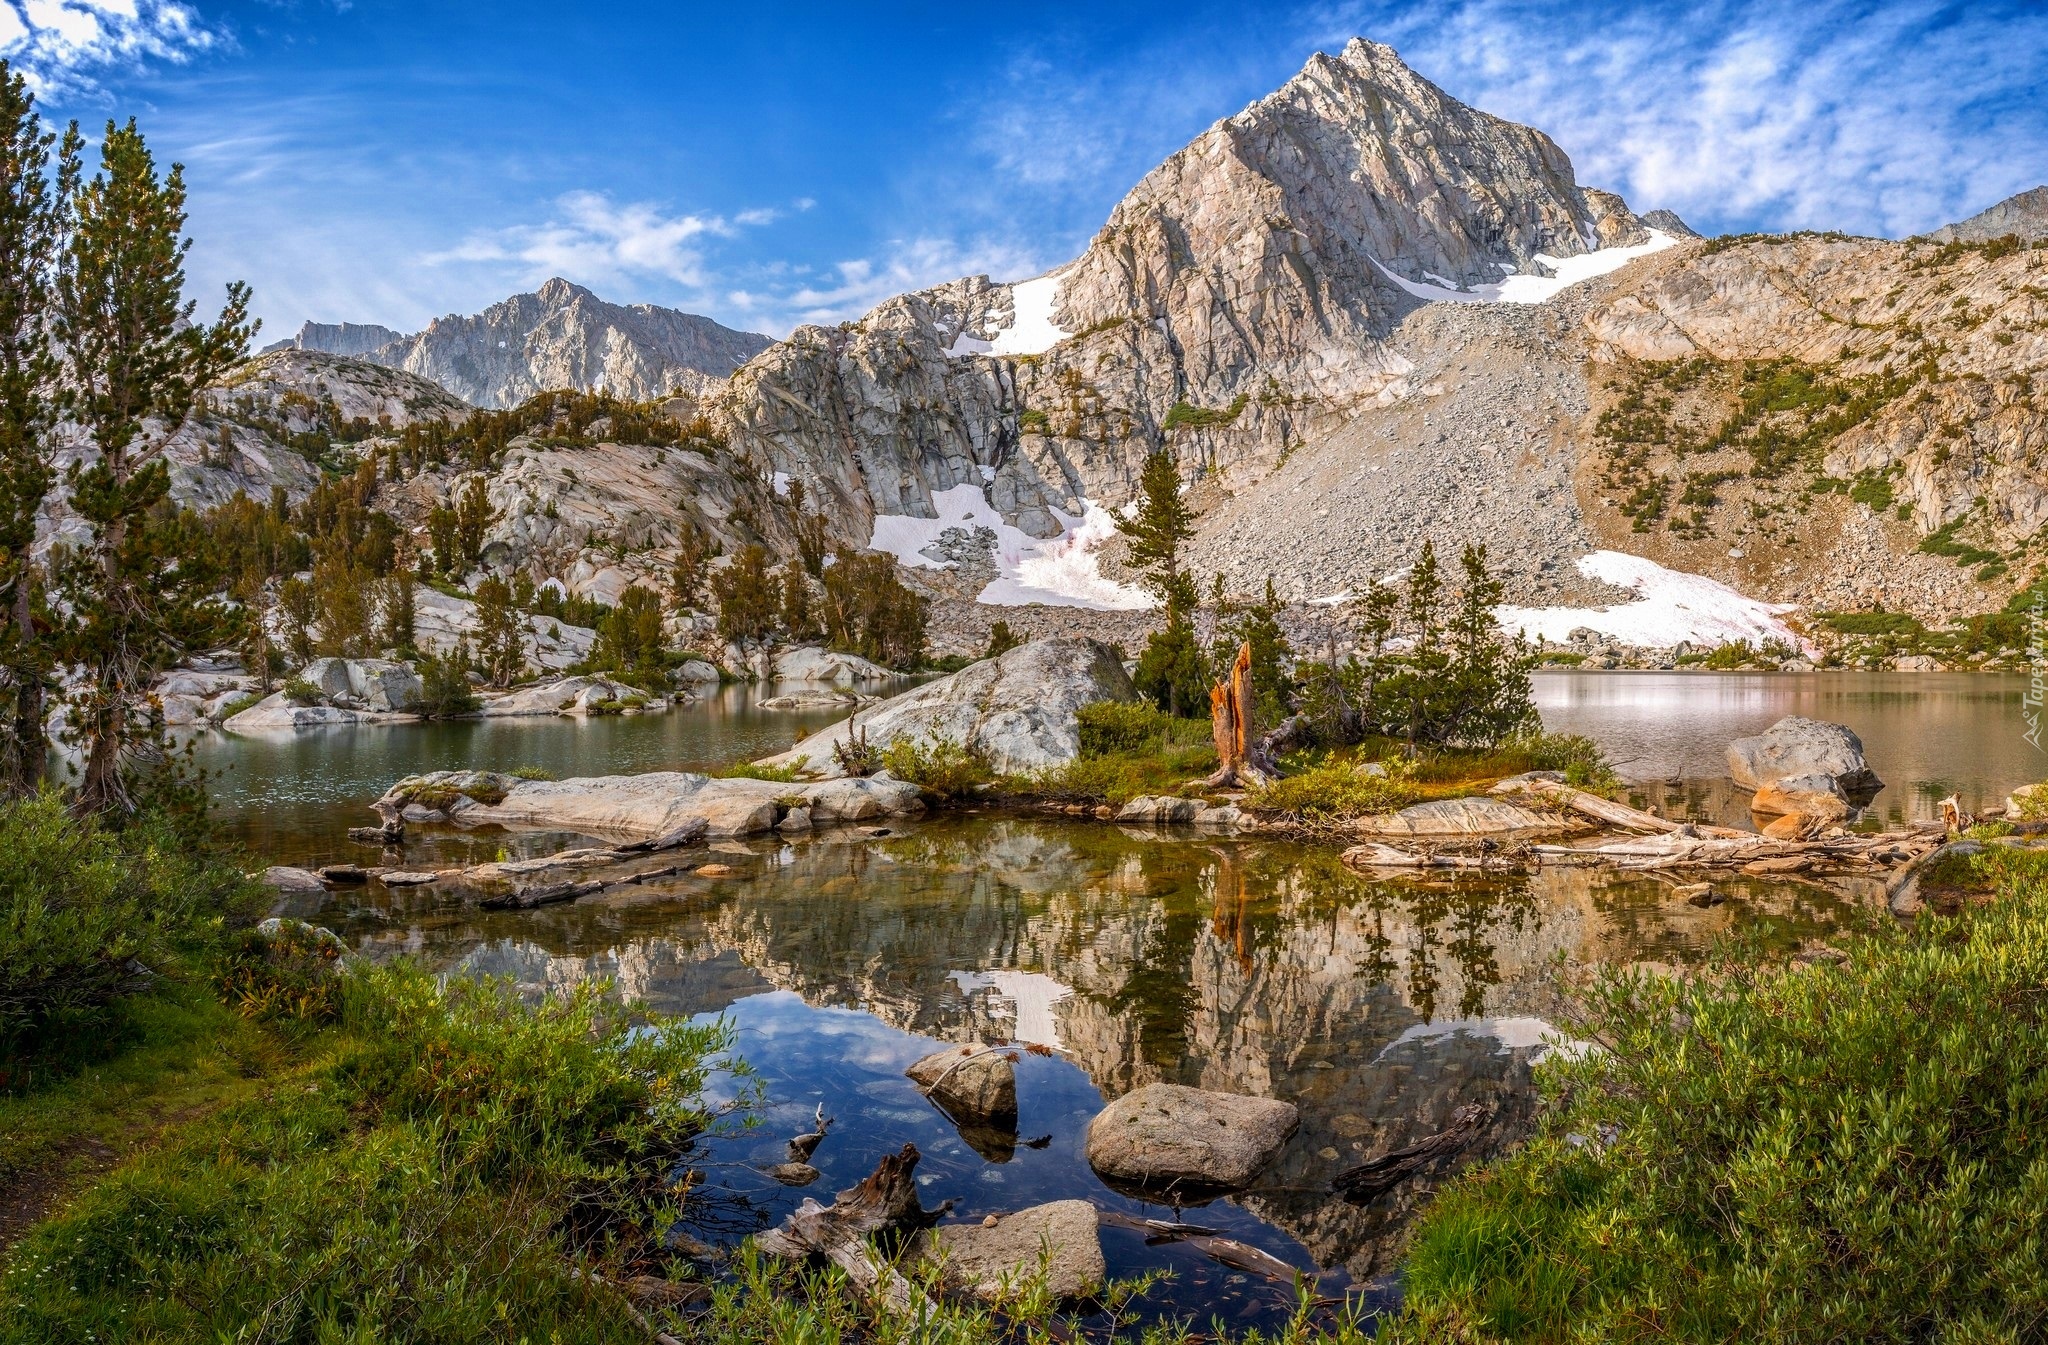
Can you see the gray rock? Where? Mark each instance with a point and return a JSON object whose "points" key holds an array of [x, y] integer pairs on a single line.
{"points": [[997, 1255], [972, 1083], [640, 807], [795, 822], [827, 667], [560, 696], [1226, 817], [377, 684], [1020, 710], [407, 877], [1165, 1135], [695, 672], [1796, 748], [284, 927], [283, 878], [1460, 817], [1162, 810]]}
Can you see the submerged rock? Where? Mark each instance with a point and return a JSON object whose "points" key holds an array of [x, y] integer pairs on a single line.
{"points": [[1020, 709], [1167, 1136], [1001, 1253]]}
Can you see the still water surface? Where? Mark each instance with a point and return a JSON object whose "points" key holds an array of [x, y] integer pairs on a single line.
{"points": [[1251, 966]]}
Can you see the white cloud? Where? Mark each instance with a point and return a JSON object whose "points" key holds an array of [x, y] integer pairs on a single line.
{"points": [[859, 284], [1830, 114], [61, 46], [596, 241]]}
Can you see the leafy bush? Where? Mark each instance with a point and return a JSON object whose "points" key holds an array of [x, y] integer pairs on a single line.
{"points": [[939, 766], [299, 691], [1843, 1151], [1727, 657], [1336, 791], [88, 915], [532, 773], [1873, 623], [1584, 765], [437, 1175], [1109, 727]]}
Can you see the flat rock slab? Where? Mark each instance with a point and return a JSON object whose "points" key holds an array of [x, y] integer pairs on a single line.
{"points": [[641, 807], [1159, 810], [1462, 817], [284, 878], [972, 1083], [1001, 1253], [407, 878], [1164, 1135]]}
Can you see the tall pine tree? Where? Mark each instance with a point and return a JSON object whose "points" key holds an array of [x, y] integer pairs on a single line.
{"points": [[1172, 670], [139, 593], [31, 236]]}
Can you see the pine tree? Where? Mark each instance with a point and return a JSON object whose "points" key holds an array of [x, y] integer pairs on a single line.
{"points": [[1490, 696], [869, 611], [31, 237], [342, 595], [694, 549], [500, 634], [1272, 657], [474, 515], [797, 618], [1172, 670], [1001, 640], [748, 601], [139, 594], [631, 639]]}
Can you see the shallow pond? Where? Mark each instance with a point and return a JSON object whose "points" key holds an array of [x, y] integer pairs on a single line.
{"points": [[1250, 966]]}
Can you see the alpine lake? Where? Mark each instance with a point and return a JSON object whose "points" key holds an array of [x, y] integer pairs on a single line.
{"points": [[1125, 956]]}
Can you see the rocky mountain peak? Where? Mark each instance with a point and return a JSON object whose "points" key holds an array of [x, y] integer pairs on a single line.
{"points": [[349, 339], [2025, 214]]}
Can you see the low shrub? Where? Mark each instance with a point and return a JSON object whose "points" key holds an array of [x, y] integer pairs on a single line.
{"points": [[299, 691], [942, 768], [1829, 1151], [749, 770], [1335, 791], [532, 773], [88, 915]]}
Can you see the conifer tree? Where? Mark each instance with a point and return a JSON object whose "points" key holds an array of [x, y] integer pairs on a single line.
{"points": [[31, 237], [748, 601], [797, 618], [500, 634], [139, 593], [1172, 670]]}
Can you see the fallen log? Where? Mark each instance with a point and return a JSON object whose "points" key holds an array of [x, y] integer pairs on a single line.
{"points": [[884, 1200], [1368, 1181], [689, 833], [1228, 1251], [1375, 855], [1617, 814], [556, 893]]}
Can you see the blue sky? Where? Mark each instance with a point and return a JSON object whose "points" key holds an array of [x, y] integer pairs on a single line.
{"points": [[770, 164]]}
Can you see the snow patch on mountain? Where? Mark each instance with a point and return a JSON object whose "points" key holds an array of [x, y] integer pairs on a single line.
{"points": [[1674, 606], [1536, 289], [1032, 331], [1058, 571]]}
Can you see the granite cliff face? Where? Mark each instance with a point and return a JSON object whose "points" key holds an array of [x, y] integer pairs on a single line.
{"points": [[2025, 215], [560, 336], [353, 339]]}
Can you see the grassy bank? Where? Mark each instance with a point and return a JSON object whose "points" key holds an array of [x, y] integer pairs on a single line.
{"points": [[1812, 1152]]}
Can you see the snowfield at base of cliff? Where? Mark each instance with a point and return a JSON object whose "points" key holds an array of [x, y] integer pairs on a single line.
{"points": [[1673, 606]]}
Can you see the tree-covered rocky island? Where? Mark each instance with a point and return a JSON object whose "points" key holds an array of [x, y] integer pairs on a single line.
{"points": [[223, 1120]]}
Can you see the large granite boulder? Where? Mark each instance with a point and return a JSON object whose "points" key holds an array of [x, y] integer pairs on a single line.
{"points": [[365, 683], [827, 667], [563, 696], [1000, 1254], [1797, 754], [639, 807], [1020, 710], [279, 712], [1164, 1136]]}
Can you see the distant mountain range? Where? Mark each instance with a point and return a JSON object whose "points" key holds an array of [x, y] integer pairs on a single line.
{"points": [[560, 336]]}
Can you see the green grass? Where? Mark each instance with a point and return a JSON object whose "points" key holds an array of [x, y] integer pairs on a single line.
{"points": [[1335, 790], [748, 770], [1824, 1152], [436, 1163]]}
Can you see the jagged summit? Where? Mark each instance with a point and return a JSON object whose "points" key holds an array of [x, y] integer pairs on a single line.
{"points": [[2025, 214], [560, 336]]}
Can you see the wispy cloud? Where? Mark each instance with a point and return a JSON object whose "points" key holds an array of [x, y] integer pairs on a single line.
{"points": [[853, 287], [1832, 114], [62, 47], [593, 240]]}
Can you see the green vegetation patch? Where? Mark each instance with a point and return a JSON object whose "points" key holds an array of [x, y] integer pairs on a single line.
{"points": [[1834, 1150], [1185, 415]]}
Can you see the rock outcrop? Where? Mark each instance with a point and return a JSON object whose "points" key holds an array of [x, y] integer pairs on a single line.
{"points": [[365, 683], [1803, 754], [2024, 215], [561, 336], [828, 667], [1020, 710], [1167, 1137], [640, 807]]}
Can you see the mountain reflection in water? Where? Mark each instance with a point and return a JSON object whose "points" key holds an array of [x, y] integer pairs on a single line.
{"points": [[1248, 966]]}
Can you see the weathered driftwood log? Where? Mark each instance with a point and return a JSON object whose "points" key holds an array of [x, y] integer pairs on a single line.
{"points": [[552, 894], [689, 833], [1375, 855], [1228, 1251], [1368, 1181], [885, 1199], [1618, 814]]}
